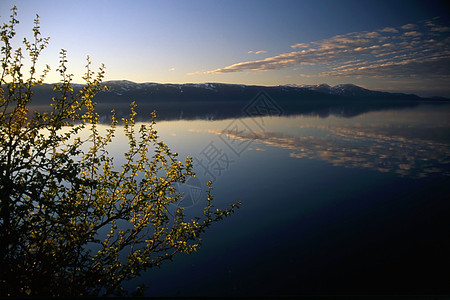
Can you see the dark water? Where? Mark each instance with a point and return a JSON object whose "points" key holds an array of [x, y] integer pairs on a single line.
{"points": [[331, 205]]}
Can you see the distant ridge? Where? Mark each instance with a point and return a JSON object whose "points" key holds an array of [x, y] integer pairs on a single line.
{"points": [[124, 90], [240, 92], [220, 100]]}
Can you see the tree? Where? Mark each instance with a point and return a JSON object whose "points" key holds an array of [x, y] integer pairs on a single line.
{"points": [[71, 222]]}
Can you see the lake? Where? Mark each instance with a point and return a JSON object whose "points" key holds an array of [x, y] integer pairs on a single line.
{"points": [[330, 205]]}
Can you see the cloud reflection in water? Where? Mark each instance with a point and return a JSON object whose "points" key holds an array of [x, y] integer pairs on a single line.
{"points": [[358, 147]]}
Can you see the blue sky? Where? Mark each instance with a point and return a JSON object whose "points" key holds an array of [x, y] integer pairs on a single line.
{"points": [[384, 45]]}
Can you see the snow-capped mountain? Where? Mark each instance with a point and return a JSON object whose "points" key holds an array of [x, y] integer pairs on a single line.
{"points": [[123, 91], [219, 100], [233, 92]]}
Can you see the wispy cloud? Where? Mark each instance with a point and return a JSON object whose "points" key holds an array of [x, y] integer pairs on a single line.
{"points": [[389, 29], [301, 45], [409, 26], [412, 33], [257, 52], [411, 50]]}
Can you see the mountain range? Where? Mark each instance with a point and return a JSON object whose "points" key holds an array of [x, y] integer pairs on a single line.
{"points": [[236, 92], [219, 100]]}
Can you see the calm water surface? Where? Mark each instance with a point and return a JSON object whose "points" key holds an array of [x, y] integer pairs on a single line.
{"points": [[330, 205]]}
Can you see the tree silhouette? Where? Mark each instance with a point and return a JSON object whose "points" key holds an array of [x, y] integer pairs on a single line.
{"points": [[71, 221]]}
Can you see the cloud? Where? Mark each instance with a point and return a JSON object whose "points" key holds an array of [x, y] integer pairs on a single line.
{"points": [[301, 45], [171, 69], [412, 33], [389, 29], [421, 49], [441, 29], [409, 26], [257, 52]]}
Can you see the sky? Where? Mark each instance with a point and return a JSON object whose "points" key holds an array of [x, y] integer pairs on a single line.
{"points": [[397, 46]]}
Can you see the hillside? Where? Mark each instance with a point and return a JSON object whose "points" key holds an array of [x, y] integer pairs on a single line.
{"points": [[218, 100]]}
